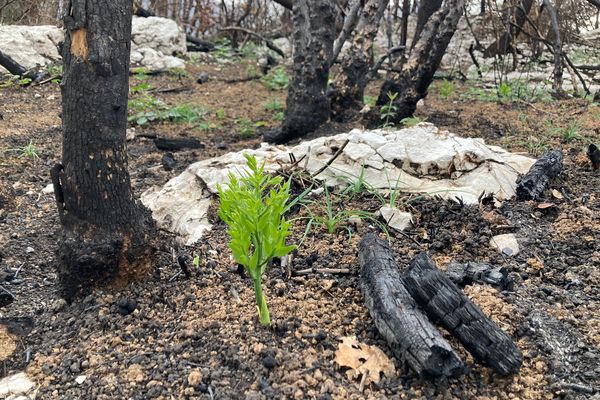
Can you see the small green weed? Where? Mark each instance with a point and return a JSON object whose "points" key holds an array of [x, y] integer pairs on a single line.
{"points": [[274, 105], [389, 110], [571, 133], [29, 151], [276, 79], [370, 101], [409, 122], [446, 89], [246, 127]]}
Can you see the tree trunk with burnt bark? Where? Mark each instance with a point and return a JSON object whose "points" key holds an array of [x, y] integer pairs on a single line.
{"points": [[426, 10], [410, 85], [105, 231], [307, 104], [349, 85], [503, 45]]}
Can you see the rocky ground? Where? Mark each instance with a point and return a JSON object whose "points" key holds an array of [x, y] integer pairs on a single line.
{"points": [[198, 338]]}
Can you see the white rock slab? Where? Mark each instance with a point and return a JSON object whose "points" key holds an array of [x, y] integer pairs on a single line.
{"points": [[417, 160], [13, 386], [31, 46]]}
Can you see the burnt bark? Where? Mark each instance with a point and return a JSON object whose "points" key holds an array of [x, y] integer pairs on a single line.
{"points": [[503, 46], [105, 231], [349, 85], [11, 65], [417, 72], [557, 46], [532, 185], [467, 273], [447, 304], [177, 144], [397, 317], [426, 9], [307, 103]]}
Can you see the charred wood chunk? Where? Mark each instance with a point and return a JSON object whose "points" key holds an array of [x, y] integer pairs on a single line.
{"points": [[594, 155], [532, 185], [447, 304], [465, 274], [399, 320], [177, 144]]}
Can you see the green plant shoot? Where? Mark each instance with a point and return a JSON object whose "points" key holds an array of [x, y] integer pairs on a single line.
{"points": [[253, 206]]}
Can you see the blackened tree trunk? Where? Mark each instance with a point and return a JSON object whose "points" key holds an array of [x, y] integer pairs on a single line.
{"points": [[307, 103], [504, 43], [410, 85], [105, 231], [350, 83], [426, 10], [404, 23]]}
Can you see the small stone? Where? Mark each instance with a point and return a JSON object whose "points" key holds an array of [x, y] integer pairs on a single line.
{"points": [[126, 306], [195, 377], [506, 244], [135, 373], [168, 161], [395, 218], [203, 78], [130, 135], [80, 379], [48, 189], [29, 249], [58, 305], [37, 96], [74, 368], [269, 362]]}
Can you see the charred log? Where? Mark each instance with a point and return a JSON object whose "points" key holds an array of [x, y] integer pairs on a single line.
{"points": [[177, 144], [399, 320], [532, 185], [195, 44], [445, 303]]}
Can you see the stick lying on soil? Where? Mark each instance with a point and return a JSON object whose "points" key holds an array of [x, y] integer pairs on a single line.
{"points": [[407, 330], [532, 185], [446, 303]]}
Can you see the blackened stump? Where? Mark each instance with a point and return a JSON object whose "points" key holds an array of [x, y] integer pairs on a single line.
{"points": [[105, 230], [532, 185]]}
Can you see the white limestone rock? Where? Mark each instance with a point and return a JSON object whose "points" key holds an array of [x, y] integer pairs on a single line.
{"points": [[17, 386], [415, 160], [160, 34], [31, 46], [395, 218]]}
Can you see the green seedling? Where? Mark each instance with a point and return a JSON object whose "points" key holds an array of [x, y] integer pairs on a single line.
{"points": [[572, 132], [252, 206], [196, 261], [274, 105], [446, 89], [409, 122], [276, 79], [29, 151], [389, 110]]}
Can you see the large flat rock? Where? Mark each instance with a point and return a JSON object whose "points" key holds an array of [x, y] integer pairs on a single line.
{"points": [[416, 160]]}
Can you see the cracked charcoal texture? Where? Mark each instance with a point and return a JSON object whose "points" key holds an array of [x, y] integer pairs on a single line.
{"points": [[399, 320], [447, 304]]}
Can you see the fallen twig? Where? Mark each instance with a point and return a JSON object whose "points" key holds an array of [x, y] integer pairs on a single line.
{"points": [[332, 159]]}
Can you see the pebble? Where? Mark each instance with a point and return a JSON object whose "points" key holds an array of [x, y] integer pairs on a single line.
{"points": [[29, 249], [80, 379], [49, 189], [195, 377], [506, 244], [58, 305], [269, 362]]}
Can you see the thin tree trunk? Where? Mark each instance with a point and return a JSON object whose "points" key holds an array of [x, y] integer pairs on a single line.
{"points": [[404, 23], [410, 85], [307, 103], [557, 45], [105, 231], [349, 24], [350, 83], [426, 10], [503, 44]]}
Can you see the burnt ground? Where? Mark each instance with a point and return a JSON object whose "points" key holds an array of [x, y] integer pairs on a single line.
{"points": [[199, 338]]}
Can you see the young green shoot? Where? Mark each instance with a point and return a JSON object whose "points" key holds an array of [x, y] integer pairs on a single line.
{"points": [[389, 110], [252, 206]]}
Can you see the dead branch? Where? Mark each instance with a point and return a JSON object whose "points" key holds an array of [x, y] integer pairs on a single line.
{"points": [[266, 41]]}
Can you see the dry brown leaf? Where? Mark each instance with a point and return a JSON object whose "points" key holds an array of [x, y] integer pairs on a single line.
{"points": [[362, 359]]}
